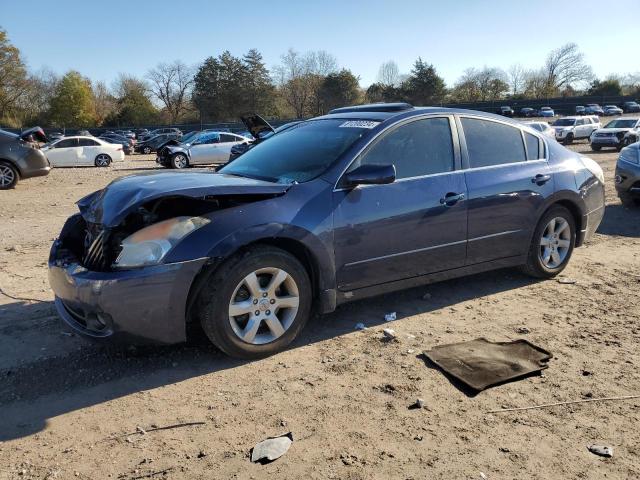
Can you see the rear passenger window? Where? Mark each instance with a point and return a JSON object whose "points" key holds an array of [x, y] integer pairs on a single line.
{"points": [[67, 142], [533, 146], [422, 147], [224, 138], [492, 143]]}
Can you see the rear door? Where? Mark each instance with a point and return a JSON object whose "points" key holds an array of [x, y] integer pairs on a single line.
{"points": [[64, 153], [508, 179], [88, 151], [414, 226]]}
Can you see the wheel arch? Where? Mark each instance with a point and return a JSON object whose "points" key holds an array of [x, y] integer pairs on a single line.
{"points": [[14, 165], [572, 202]]}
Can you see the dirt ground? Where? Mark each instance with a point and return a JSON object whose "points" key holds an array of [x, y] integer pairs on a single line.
{"points": [[67, 405]]}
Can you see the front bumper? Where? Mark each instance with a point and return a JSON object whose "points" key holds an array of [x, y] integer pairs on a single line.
{"points": [[627, 178], [607, 141], [144, 305]]}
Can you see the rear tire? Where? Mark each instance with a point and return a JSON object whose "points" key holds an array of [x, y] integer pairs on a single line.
{"points": [[258, 332], [552, 243], [102, 160], [8, 176]]}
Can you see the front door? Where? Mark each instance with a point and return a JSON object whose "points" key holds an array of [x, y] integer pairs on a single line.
{"points": [[508, 180], [205, 150], [414, 226], [64, 153]]}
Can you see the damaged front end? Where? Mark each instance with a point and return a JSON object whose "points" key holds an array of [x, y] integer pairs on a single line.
{"points": [[107, 267]]}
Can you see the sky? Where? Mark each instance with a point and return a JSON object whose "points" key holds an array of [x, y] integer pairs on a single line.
{"points": [[102, 39]]}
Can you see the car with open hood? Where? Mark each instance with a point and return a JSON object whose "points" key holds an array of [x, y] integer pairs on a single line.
{"points": [[617, 133], [361, 201], [206, 148], [155, 142], [21, 156], [259, 130]]}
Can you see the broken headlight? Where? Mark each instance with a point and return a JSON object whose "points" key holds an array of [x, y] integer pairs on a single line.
{"points": [[151, 244]]}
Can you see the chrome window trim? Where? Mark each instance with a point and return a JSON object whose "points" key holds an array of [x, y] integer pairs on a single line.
{"points": [[433, 247], [454, 141]]}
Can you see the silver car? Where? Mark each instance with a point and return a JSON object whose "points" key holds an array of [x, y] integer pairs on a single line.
{"points": [[207, 148]]}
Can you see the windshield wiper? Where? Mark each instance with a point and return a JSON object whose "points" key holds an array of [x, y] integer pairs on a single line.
{"points": [[253, 177]]}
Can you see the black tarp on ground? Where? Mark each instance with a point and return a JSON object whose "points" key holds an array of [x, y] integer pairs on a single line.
{"points": [[480, 364]]}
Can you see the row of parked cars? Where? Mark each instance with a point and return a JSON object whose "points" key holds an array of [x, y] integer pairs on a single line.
{"points": [[618, 133], [590, 109]]}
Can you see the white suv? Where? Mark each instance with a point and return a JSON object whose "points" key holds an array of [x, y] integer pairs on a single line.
{"points": [[569, 129]]}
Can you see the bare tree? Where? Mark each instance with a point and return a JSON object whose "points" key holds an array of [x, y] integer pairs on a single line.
{"points": [[488, 83], [389, 74], [105, 103], [517, 75], [170, 83], [566, 67]]}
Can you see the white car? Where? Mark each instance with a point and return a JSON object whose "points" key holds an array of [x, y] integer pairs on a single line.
{"points": [[542, 127], [617, 133], [82, 151], [569, 129]]}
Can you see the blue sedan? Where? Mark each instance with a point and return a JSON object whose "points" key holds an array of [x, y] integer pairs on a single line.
{"points": [[359, 202]]}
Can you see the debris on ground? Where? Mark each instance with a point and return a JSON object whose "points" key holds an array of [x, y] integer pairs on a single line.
{"points": [[571, 402], [523, 331], [390, 317], [271, 449], [567, 281], [480, 364], [418, 404], [389, 334], [601, 450], [360, 326]]}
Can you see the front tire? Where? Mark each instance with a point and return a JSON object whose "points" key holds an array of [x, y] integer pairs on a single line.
{"points": [[628, 200], [179, 161], [569, 139], [256, 303], [552, 243], [595, 148], [8, 176], [146, 150]]}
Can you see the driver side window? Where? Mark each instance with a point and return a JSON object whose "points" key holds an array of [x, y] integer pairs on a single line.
{"points": [[422, 147], [67, 142]]}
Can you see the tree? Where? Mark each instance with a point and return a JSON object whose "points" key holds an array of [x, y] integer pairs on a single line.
{"points": [[105, 102], [517, 75], [339, 89], [389, 74], [489, 83], [14, 82], [610, 87], [72, 104], [259, 90], [424, 86], [566, 66], [170, 83], [134, 107]]}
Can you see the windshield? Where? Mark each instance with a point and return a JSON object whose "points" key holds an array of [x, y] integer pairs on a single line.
{"points": [[188, 137], [564, 122], [545, 108], [621, 123], [300, 153]]}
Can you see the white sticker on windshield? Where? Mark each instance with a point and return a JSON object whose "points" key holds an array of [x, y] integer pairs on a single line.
{"points": [[359, 124]]}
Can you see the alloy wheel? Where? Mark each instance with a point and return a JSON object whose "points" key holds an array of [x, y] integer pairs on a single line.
{"points": [[555, 242], [103, 160], [180, 161], [7, 176], [264, 305]]}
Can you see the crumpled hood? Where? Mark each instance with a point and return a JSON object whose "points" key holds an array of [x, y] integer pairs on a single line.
{"points": [[613, 130], [113, 203]]}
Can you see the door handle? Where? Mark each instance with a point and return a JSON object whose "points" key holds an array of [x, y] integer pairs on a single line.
{"points": [[541, 179], [451, 199]]}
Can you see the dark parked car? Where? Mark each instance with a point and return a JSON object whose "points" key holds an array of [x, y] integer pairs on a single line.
{"points": [[21, 157], [528, 112], [505, 111], [628, 175], [152, 144], [175, 132], [127, 143], [631, 107], [361, 201]]}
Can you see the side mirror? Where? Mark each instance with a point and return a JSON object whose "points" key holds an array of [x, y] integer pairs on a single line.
{"points": [[370, 175]]}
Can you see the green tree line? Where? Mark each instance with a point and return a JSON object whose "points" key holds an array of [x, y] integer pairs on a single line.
{"points": [[225, 87]]}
